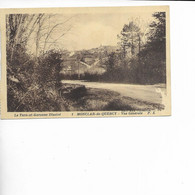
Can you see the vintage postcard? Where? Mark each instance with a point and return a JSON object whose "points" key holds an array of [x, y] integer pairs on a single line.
{"points": [[85, 62]]}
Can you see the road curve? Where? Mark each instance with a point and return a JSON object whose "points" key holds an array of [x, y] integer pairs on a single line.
{"points": [[148, 93]]}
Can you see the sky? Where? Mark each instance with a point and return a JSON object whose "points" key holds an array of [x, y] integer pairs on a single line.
{"points": [[92, 30], [89, 30]]}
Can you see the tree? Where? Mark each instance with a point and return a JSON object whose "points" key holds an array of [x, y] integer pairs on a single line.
{"points": [[157, 34], [32, 70], [48, 72], [35, 29], [110, 63], [153, 56], [130, 38]]}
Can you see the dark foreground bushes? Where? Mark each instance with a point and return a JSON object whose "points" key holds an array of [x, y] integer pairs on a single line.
{"points": [[32, 83]]}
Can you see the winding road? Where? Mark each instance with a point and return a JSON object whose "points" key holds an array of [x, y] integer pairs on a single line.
{"points": [[148, 93]]}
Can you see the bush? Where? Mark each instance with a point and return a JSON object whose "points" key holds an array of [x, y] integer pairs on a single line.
{"points": [[32, 84], [49, 68]]}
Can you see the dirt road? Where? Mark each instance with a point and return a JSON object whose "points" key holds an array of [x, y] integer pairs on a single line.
{"points": [[148, 93]]}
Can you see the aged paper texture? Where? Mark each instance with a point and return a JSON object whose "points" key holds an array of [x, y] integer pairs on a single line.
{"points": [[85, 62]]}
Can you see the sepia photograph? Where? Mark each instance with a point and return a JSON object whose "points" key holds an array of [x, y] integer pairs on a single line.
{"points": [[87, 59]]}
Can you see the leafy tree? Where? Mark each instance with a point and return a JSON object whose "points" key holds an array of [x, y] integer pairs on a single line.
{"points": [[48, 72], [129, 38], [111, 61], [152, 67], [157, 34]]}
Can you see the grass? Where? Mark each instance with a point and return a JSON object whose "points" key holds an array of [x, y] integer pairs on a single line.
{"points": [[92, 99]]}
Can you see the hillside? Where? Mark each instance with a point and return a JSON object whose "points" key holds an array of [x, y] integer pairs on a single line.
{"points": [[86, 61]]}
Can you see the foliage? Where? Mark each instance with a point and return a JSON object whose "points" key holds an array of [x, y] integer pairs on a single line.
{"points": [[49, 68], [32, 87], [153, 56], [157, 34], [129, 38]]}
